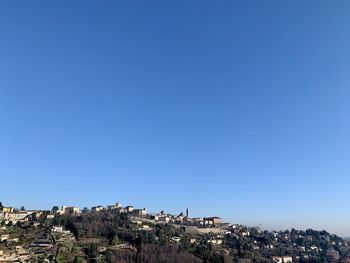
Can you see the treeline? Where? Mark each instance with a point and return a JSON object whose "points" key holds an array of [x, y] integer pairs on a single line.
{"points": [[103, 225], [150, 246], [152, 253]]}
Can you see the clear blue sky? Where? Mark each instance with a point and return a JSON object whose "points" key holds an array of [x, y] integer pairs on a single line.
{"points": [[232, 108]]}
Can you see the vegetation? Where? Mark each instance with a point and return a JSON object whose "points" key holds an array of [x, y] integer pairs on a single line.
{"points": [[111, 236], [109, 229]]}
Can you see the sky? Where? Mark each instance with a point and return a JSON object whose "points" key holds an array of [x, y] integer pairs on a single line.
{"points": [[231, 108]]}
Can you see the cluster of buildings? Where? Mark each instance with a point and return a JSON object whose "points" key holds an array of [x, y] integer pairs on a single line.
{"points": [[66, 210], [10, 214], [199, 229], [14, 226], [15, 249], [19, 254], [131, 210], [74, 210], [160, 217]]}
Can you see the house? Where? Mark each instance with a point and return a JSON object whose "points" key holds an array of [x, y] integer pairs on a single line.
{"points": [[20, 250], [122, 210], [176, 239], [154, 217], [57, 229], [146, 227], [284, 259], [17, 216], [117, 205], [197, 221], [37, 214], [287, 259], [71, 210], [4, 237], [129, 209], [215, 241], [277, 259], [192, 240], [245, 233], [139, 212], [98, 208], [314, 248], [123, 246], [6, 257], [212, 220], [8, 209], [36, 224]]}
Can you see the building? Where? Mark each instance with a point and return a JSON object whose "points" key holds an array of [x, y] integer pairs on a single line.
{"points": [[17, 216], [116, 206], [284, 259], [70, 210], [111, 207], [8, 209], [4, 237], [98, 208], [129, 209], [176, 239], [212, 220], [57, 229], [139, 212], [192, 240], [163, 219], [215, 241]]}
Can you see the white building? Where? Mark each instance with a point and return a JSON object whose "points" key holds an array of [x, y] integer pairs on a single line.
{"points": [[129, 209], [98, 208], [57, 229], [284, 259]]}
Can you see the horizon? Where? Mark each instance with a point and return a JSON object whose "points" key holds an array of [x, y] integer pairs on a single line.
{"points": [[237, 109]]}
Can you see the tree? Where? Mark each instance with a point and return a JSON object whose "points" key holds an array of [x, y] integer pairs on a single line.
{"points": [[92, 253]]}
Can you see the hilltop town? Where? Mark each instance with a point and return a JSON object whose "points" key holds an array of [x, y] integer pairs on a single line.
{"points": [[117, 233]]}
